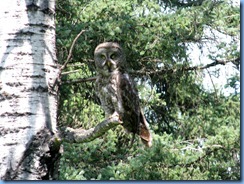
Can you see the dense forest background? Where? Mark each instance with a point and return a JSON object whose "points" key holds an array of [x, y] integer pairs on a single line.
{"points": [[196, 129]]}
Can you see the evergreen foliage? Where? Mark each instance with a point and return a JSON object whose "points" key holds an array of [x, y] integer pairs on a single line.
{"points": [[196, 130]]}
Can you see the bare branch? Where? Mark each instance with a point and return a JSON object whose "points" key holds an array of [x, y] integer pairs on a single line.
{"points": [[80, 80], [71, 49], [82, 135], [163, 70], [216, 96], [58, 78], [216, 62], [80, 63], [69, 72]]}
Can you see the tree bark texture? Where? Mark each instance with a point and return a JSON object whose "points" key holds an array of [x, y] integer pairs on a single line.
{"points": [[28, 96], [81, 135]]}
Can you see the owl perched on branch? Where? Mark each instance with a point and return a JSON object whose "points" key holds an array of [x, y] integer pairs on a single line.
{"points": [[117, 92]]}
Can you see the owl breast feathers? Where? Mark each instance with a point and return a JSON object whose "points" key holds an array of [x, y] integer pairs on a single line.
{"points": [[117, 92]]}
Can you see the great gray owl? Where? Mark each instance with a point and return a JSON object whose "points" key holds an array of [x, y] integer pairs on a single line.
{"points": [[117, 92]]}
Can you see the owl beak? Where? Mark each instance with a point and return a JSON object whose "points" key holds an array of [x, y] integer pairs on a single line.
{"points": [[109, 64]]}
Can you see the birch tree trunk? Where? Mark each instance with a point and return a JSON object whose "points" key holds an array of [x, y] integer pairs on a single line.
{"points": [[28, 96]]}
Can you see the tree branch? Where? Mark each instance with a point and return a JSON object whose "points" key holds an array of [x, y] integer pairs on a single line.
{"points": [[216, 62], [58, 78], [71, 49], [165, 70], [80, 80], [82, 135], [161, 71], [69, 72], [216, 96]]}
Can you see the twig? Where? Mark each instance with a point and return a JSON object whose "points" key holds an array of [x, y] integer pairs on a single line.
{"points": [[209, 150], [58, 78], [80, 80], [161, 71], [71, 49], [165, 70], [215, 90], [81, 63], [69, 72]]}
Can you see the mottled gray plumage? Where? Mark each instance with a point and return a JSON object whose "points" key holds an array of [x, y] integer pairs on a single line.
{"points": [[116, 90]]}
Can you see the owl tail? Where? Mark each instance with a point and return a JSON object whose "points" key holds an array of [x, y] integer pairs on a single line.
{"points": [[145, 134]]}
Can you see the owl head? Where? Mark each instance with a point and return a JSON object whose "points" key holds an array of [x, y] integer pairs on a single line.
{"points": [[109, 57]]}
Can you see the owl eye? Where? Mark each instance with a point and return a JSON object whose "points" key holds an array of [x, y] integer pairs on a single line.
{"points": [[103, 57], [113, 56]]}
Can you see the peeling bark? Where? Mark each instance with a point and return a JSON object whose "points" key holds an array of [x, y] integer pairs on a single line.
{"points": [[28, 97]]}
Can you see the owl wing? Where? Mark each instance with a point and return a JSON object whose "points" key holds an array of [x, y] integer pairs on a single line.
{"points": [[133, 118]]}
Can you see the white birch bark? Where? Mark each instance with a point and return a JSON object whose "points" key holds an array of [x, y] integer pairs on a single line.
{"points": [[28, 97]]}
